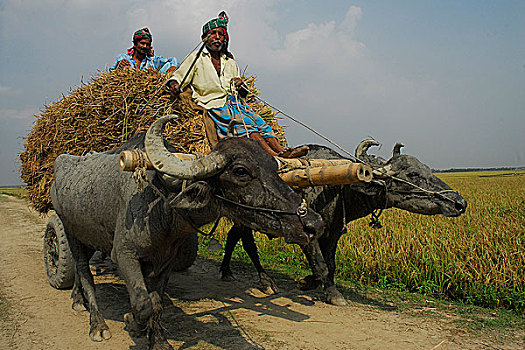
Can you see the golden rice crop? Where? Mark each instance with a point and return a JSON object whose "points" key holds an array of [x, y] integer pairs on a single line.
{"points": [[478, 257]]}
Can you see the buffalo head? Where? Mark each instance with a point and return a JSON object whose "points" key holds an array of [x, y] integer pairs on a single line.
{"points": [[410, 184], [240, 179]]}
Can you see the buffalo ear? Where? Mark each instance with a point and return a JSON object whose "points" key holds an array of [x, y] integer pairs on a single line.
{"points": [[196, 196]]}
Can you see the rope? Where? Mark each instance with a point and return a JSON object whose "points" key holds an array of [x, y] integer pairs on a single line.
{"points": [[139, 175], [235, 92], [302, 210], [352, 157]]}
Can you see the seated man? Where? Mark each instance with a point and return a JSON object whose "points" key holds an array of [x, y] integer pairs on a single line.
{"points": [[215, 79], [141, 55]]}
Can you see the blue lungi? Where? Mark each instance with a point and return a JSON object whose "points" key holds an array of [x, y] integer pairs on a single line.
{"points": [[246, 120]]}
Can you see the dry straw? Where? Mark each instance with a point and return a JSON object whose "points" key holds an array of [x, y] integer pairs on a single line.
{"points": [[104, 114]]}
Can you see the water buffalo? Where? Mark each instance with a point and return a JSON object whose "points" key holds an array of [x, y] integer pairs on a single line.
{"points": [[401, 182], [102, 209]]}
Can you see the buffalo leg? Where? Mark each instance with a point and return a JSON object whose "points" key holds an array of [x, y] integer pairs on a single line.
{"points": [[328, 248], [154, 330], [130, 270], [320, 271], [146, 307], [234, 235], [267, 285], [98, 329], [157, 286], [79, 301]]}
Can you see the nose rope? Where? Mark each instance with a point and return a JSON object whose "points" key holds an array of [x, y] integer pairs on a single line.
{"points": [[432, 193], [302, 209]]}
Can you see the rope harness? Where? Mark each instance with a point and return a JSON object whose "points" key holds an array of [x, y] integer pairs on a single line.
{"points": [[301, 211], [139, 175]]}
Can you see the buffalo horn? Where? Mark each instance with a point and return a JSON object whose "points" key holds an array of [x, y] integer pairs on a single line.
{"points": [[384, 171], [166, 162], [397, 149], [362, 148]]}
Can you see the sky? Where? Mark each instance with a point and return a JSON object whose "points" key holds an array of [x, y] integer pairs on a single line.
{"points": [[446, 78]]}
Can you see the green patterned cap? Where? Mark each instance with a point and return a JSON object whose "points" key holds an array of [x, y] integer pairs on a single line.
{"points": [[221, 21]]}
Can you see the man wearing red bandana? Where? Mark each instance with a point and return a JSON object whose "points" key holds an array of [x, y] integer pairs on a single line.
{"points": [[215, 80], [141, 55]]}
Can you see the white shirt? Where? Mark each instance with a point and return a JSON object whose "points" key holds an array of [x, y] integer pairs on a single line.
{"points": [[209, 89]]}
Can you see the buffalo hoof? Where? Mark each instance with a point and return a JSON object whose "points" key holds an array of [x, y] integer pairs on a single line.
{"points": [[159, 342], [308, 283], [267, 285], [133, 328], [78, 306], [78, 302], [99, 332], [161, 346], [227, 276], [334, 297]]}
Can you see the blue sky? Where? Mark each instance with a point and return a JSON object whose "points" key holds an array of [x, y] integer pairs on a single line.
{"points": [[447, 78]]}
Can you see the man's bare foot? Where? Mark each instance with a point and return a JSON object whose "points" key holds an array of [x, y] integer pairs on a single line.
{"points": [[291, 152]]}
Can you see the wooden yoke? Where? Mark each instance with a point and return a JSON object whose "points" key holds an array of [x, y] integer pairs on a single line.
{"points": [[330, 175], [295, 172], [129, 160]]}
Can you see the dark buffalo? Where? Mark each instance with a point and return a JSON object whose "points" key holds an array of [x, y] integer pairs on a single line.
{"points": [[102, 209], [401, 182]]}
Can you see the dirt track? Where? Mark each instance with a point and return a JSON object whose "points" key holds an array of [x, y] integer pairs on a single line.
{"points": [[202, 312]]}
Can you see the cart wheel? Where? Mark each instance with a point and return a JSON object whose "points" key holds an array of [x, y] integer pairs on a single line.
{"points": [[60, 268], [187, 253]]}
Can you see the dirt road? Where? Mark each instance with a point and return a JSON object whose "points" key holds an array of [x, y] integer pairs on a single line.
{"points": [[202, 312]]}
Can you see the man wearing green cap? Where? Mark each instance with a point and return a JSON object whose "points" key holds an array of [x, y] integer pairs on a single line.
{"points": [[141, 55], [214, 77]]}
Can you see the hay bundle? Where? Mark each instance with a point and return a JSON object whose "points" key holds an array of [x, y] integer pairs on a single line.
{"points": [[103, 115]]}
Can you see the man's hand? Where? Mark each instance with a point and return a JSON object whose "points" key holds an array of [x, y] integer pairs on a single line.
{"points": [[173, 88], [241, 87], [238, 82], [123, 63]]}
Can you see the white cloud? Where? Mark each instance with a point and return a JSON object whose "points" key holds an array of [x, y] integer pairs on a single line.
{"points": [[353, 15], [319, 43], [9, 91], [25, 116]]}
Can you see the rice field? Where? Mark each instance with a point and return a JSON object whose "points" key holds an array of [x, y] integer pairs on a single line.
{"points": [[477, 258]]}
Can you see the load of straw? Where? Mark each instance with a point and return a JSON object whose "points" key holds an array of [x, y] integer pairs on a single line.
{"points": [[105, 113]]}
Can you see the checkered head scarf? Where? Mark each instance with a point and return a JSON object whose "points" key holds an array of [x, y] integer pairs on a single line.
{"points": [[140, 34], [220, 22]]}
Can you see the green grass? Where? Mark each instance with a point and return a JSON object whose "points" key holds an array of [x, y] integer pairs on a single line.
{"points": [[15, 192]]}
